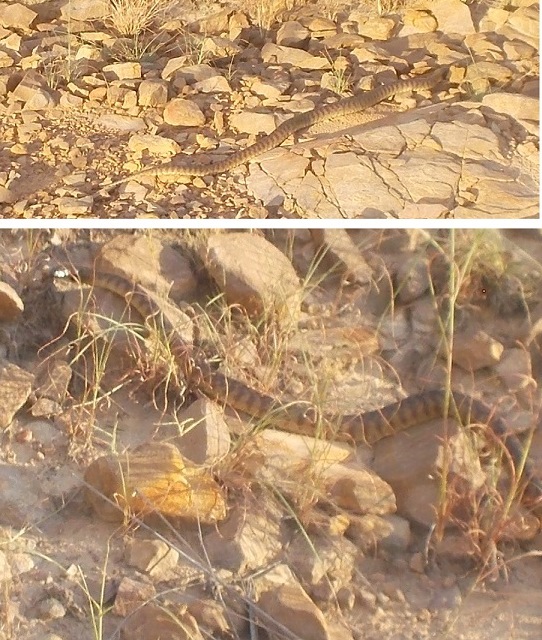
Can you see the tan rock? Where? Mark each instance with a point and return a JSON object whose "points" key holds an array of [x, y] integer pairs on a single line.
{"points": [[254, 274], [205, 437], [288, 605], [275, 54], [412, 463], [370, 532], [253, 122], [292, 34], [152, 93], [323, 564], [180, 112], [15, 15], [131, 595], [153, 622], [359, 490], [246, 540], [151, 262], [154, 557], [86, 10], [474, 349], [154, 144], [122, 71], [338, 250], [153, 477], [11, 305], [15, 388]]}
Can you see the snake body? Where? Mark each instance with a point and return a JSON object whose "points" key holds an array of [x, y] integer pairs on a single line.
{"points": [[303, 418], [347, 106]]}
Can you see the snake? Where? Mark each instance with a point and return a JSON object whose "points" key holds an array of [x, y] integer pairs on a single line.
{"points": [[354, 104], [302, 417]]}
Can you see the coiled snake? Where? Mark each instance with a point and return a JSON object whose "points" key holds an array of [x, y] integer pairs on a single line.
{"points": [[301, 417]]}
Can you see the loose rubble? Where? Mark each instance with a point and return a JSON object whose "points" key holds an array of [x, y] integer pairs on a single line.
{"points": [[88, 96], [182, 518]]}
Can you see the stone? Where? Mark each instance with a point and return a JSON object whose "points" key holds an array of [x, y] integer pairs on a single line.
{"points": [[131, 595], [15, 388], [254, 274], [180, 112], [253, 122], [245, 541], [22, 499], [151, 262], [152, 93], [85, 10], [11, 305], [205, 437], [338, 251], [154, 557], [288, 604], [152, 622], [153, 477], [122, 71], [474, 349], [15, 15]]}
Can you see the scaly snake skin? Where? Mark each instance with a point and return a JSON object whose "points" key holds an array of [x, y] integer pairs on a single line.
{"points": [[303, 418], [344, 107]]}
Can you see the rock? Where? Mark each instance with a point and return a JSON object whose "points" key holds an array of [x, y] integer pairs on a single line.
{"points": [[275, 54], [288, 605], [14, 15], [15, 388], [412, 279], [33, 92], [151, 262], [154, 557], [153, 622], [11, 305], [5, 570], [51, 609], [475, 349], [515, 370], [359, 490], [254, 274], [453, 16], [372, 532], [323, 565], [180, 112], [153, 477], [122, 71], [412, 463], [292, 34], [84, 10], [152, 93], [131, 596], [205, 437], [52, 380], [338, 251], [253, 122], [245, 540], [156, 145], [121, 123], [211, 617]]}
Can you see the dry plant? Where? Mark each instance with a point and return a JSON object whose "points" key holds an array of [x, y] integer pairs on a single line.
{"points": [[133, 17], [475, 258]]}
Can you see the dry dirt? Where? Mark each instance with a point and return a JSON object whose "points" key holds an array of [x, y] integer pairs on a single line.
{"points": [[349, 348]]}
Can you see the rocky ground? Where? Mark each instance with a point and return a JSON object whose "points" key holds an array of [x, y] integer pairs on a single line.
{"points": [[90, 93], [306, 538]]}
